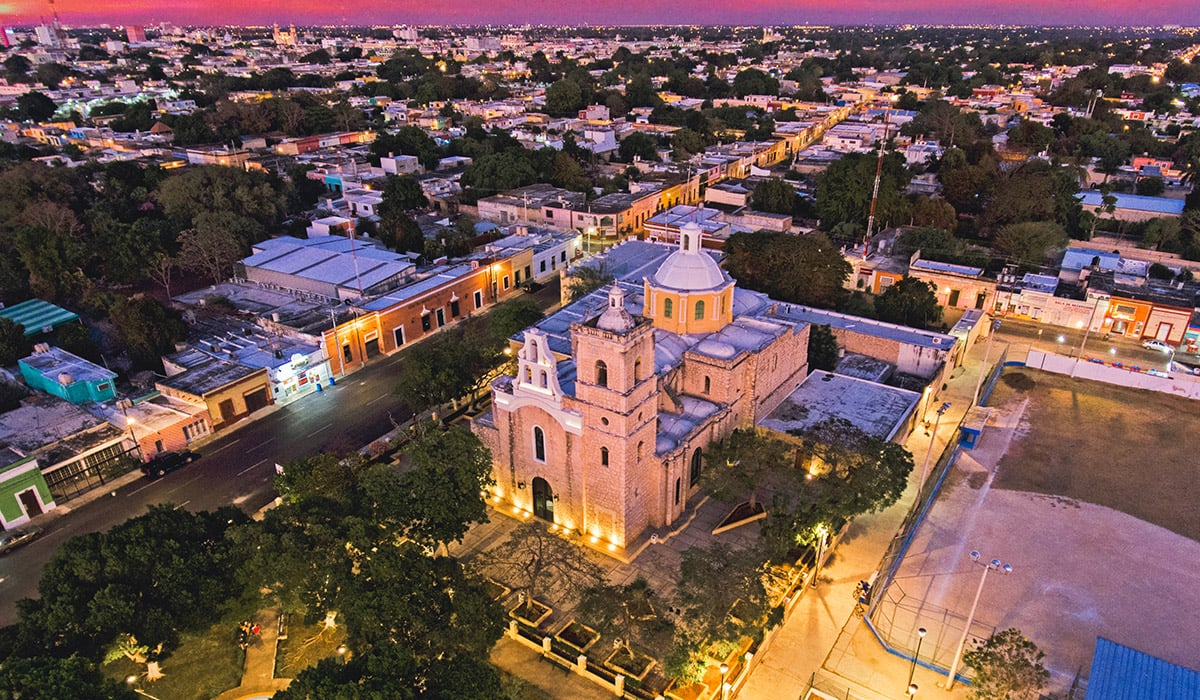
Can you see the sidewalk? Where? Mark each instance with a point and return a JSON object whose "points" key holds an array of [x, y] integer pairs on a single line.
{"points": [[528, 665], [258, 679], [823, 638]]}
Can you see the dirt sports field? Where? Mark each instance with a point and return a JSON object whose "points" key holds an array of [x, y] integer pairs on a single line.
{"points": [[1092, 493]]}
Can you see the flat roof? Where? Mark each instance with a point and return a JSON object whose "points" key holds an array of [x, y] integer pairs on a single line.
{"points": [[1136, 202], [441, 276], [875, 409], [866, 326], [203, 377], [948, 268], [1124, 673], [56, 361], [36, 315]]}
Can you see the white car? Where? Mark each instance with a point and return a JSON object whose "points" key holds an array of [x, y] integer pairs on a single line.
{"points": [[1157, 345]]}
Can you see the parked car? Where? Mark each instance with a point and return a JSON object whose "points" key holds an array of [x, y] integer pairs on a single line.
{"points": [[1156, 345], [11, 539], [168, 462]]}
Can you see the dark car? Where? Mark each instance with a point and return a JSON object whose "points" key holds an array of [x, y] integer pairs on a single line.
{"points": [[11, 539], [168, 462]]}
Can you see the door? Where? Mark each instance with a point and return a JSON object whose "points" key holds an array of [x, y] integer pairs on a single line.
{"points": [[29, 499], [371, 347], [256, 400], [953, 298], [1164, 332], [227, 412], [543, 500], [980, 300]]}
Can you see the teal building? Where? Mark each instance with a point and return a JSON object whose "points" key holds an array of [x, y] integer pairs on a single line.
{"points": [[59, 373]]}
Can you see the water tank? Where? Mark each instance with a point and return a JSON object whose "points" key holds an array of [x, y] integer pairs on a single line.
{"points": [[65, 379]]}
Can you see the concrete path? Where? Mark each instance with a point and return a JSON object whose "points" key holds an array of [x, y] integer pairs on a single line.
{"points": [[527, 664], [258, 679], [823, 639]]}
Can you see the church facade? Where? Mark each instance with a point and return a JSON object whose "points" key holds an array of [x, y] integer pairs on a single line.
{"points": [[604, 427]]}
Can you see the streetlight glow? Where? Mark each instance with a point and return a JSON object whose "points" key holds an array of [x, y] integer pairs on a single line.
{"points": [[987, 567]]}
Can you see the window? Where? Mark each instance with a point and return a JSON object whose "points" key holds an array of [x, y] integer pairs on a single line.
{"points": [[479, 300], [539, 444], [637, 370], [158, 446], [398, 335], [668, 307], [707, 385], [103, 387], [699, 310], [528, 376], [544, 381], [639, 449], [454, 309], [425, 323], [507, 284], [543, 267], [604, 456], [601, 373], [564, 256], [697, 466], [528, 272], [347, 355], [677, 492], [441, 316]]}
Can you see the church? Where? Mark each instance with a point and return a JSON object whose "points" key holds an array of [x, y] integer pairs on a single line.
{"points": [[603, 429]]}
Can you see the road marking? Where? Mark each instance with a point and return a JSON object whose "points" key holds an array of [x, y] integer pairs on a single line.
{"points": [[141, 489], [251, 467], [261, 444], [223, 447], [378, 398], [327, 426], [181, 505]]}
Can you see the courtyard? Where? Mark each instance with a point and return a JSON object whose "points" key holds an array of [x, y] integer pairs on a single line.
{"points": [[1088, 491]]}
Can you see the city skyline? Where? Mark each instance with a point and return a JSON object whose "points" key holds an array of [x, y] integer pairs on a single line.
{"points": [[765, 12]]}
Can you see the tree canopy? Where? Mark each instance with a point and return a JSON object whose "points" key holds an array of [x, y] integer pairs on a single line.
{"points": [[909, 302], [1006, 665], [805, 269]]}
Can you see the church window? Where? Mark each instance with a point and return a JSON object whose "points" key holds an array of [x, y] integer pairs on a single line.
{"points": [[539, 444], [639, 449], [700, 310], [667, 308], [545, 383], [686, 242], [697, 465], [604, 456], [637, 370], [601, 373], [677, 492], [707, 385], [528, 375]]}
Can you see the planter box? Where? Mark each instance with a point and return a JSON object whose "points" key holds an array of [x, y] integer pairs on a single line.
{"points": [[578, 636], [742, 514], [531, 612], [634, 666], [496, 591]]}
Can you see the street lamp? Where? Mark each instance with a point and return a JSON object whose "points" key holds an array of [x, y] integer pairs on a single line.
{"points": [[912, 690], [987, 567], [983, 370], [822, 534], [932, 440], [913, 668], [131, 681], [724, 685]]}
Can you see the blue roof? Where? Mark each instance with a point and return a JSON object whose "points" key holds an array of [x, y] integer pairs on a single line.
{"points": [[1079, 258], [1136, 202], [37, 315], [1122, 673]]}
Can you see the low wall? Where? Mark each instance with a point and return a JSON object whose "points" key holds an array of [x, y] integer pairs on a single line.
{"points": [[1180, 384]]}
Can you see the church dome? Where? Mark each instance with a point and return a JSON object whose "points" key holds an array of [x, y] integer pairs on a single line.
{"points": [[690, 268]]}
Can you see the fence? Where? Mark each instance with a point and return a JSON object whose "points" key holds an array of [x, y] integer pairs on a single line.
{"points": [[1131, 376]]}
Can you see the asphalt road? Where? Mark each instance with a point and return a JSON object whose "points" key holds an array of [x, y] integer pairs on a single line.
{"points": [[1063, 341], [235, 468]]}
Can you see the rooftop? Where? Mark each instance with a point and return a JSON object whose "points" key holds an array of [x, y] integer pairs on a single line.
{"points": [[1123, 673], [204, 373], [877, 410], [37, 316], [1135, 202], [54, 362], [879, 329]]}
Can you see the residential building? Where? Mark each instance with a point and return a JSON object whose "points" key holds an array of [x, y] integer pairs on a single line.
{"points": [[69, 377], [228, 390], [23, 490]]}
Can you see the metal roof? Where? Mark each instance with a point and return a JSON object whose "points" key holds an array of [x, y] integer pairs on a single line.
{"points": [[37, 315], [1136, 202], [1123, 673]]}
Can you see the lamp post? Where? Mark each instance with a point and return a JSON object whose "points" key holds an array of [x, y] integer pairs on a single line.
{"points": [[986, 353], [913, 668], [822, 534], [987, 567], [932, 441], [912, 690], [724, 685], [131, 681], [1083, 342]]}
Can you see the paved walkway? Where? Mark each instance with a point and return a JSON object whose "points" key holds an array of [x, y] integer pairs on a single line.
{"points": [[258, 679], [822, 638], [520, 660]]}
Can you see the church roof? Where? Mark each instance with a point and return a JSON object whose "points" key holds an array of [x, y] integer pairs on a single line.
{"points": [[690, 269]]}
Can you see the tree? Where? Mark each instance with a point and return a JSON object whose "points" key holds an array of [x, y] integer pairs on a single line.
{"points": [[511, 317], [35, 106], [844, 191], [1030, 242], [17, 66], [214, 246], [1151, 186], [319, 57], [638, 145], [211, 189], [822, 348], [774, 195], [74, 338], [927, 211], [753, 81], [538, 563], [685, 143], [14, 345], [745, 464], [402, 193], [162, 269], [796, 269], [1007, 665], [47, 678], [909, 302], [563, 98], [629, 615], [582, 280], [398, 231], [437, 498], [147, 329]]}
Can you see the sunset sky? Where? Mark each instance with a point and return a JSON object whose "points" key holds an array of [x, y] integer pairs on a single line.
{"points": [[1091, 12]]}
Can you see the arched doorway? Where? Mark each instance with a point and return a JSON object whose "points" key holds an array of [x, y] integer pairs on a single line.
{"points": [[543, 499]]}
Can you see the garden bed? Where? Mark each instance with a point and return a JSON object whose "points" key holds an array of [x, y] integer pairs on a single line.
{"points": [[578, 636], [206, 664], [496, 591], [742, 514], [630, 663], [531, 612]]}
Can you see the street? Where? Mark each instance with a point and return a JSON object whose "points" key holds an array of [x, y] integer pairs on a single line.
{"points": [[1021, 334], [236, 468]]}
